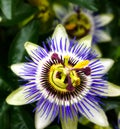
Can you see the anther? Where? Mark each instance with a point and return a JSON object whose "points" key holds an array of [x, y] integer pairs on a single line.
{"points": [[55, 57], [81, 64], [87, 71]]}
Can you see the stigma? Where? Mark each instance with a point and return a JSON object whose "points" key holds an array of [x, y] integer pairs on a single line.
{"points": [[65, 77]]}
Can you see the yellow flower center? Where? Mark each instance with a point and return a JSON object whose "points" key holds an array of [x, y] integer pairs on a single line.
{"points": [[64, 77], [77, 25]]}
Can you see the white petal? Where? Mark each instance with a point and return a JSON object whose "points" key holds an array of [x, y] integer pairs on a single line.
{"points": [[107, 63], [97, 116], [69, 123], [97, 50], [17, 97], [103, 19], [60, 11], [18, 69], [102, 36], [113, 90], [30, 48], [42, 120], [33, 50], [87, 40], [60, 34]]}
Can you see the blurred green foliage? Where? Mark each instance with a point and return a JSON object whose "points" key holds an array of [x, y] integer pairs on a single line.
{"points": [[21, 21]]}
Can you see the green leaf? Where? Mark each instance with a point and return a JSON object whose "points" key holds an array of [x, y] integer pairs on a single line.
{"points": [[111, 103], [6, 7], [4, 82], [21, 12], [28, 33], [4, 116], [80, 126], [116, 52], [114, 74], [53, 127], [21, 119], [85, 3]]}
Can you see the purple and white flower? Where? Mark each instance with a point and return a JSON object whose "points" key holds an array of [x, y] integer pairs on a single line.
{"points": [[80, 22], [66, 79]]}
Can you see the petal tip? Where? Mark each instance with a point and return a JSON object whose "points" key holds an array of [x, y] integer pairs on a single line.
{"points": [[111, 62], [60, 28], [107, 63], [13, 67], [87, 40], [16, 68], [103, 36], [107, 38], [17, 97], [59, 33], [105, 19], [113, 90], [102, 121], [105, 123], [8, 101], [27, 44], [41, 121], [111, 17], [30, 47]]}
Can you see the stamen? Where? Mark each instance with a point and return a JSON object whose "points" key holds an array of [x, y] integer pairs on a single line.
{"points": [[87, 71], [66, 59], [81, 64]]}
